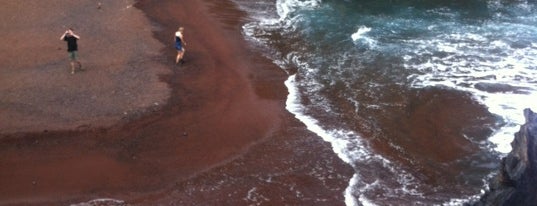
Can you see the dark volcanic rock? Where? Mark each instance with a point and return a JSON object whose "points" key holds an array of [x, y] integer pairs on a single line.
{"points": [[498, 88], [520, 44], [516, 182]]}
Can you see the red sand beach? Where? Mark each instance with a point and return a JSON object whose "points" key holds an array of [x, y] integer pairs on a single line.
{"points": [[133, 126]]}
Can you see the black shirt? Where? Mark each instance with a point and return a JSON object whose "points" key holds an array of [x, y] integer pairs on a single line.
{"points": [[71, 43]]}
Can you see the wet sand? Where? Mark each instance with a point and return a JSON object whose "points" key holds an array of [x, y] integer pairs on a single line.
{"points": [[135, 127]]}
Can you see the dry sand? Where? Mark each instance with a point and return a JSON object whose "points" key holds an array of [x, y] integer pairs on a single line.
{"points": [[120, 77]]}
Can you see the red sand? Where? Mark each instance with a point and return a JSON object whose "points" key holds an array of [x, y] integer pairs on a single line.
{"points": [[133, 126]]}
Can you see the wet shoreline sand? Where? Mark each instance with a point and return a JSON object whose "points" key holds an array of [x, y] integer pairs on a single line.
{"points": [[222, 136]]}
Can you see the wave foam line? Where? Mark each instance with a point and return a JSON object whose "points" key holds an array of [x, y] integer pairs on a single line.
{"points": [[350, 148], [293, 105]]}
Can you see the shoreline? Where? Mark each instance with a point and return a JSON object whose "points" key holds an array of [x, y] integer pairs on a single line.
{"points": [[215, 100]]}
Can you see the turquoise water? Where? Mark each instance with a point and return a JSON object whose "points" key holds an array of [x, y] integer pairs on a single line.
{"points": [[353, 62]]}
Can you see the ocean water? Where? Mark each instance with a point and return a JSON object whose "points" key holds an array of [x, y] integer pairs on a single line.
{"points": [[353, 64]]}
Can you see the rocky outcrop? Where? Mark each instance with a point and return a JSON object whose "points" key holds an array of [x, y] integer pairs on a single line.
{"points": [[516, 182]]}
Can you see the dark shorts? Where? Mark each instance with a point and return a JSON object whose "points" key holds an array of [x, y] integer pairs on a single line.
{"points": [[178, 47], [73, 55]]}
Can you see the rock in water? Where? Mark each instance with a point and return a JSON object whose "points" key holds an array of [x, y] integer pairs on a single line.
{"points": [[516, 181]]}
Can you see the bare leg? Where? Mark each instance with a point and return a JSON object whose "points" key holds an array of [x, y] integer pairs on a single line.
{"points": [[179, 57], [72, 67], [182, 54]]}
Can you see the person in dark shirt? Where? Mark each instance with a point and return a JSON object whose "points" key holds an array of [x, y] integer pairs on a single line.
{"points": [[72, 48]]}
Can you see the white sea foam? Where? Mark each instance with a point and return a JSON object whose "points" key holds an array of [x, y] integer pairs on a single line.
{"points": [[360, 36], [102, 201], [349, 198], [475, 58], [287, 7], [360, 33]]}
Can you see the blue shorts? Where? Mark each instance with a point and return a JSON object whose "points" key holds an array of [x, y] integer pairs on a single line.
{"points": [[179, 47]]}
